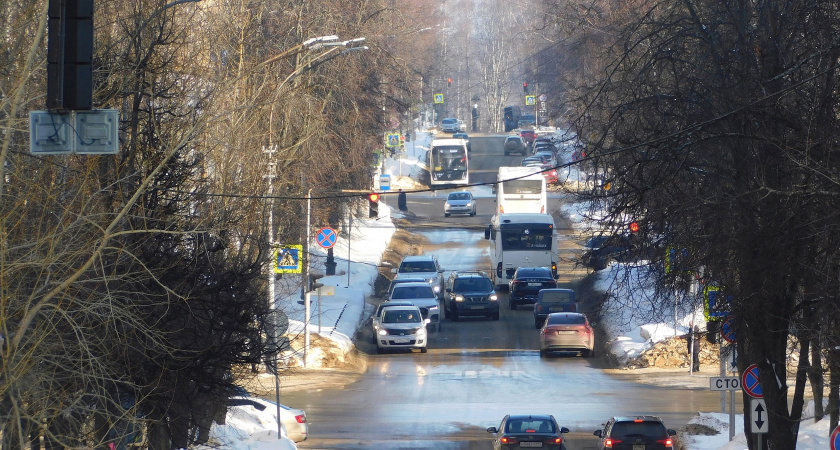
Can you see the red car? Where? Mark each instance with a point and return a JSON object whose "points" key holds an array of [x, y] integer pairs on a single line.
{"points": [[528, 135]]}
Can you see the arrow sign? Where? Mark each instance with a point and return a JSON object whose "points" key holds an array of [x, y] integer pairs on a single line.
{"points": [[758, 416]]}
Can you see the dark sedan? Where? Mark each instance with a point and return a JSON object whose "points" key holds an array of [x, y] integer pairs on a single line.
{"points": [[528, 431], [526, 284]]}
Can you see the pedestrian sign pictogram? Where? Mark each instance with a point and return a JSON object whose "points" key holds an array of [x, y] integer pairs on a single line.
{"points": [[834, 441], [287, 259], [749, 380], [326, 237], [392, 140], [530, 100], [438, 98]]}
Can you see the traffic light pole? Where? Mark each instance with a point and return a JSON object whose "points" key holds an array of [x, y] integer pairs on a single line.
{"points": [[306, 284]]}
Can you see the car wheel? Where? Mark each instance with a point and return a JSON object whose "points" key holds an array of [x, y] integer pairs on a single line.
{"points": [[537, 324], [424, 350], [472, 214], [453, 315], [439, 326], [380, 350], [496, 315], [542, 353], [511, 305], [584, 353], [446, 215]]}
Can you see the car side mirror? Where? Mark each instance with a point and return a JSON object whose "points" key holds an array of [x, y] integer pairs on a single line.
{"points": [[492, 430], [564, 430], [672, 432], [427, 321], [487, 233], [597, 433]]}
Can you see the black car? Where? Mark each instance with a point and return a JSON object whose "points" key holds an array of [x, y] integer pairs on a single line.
{"points": [[600, 251], [470, 293], [526, 284], [520, 431], [630, 433]]}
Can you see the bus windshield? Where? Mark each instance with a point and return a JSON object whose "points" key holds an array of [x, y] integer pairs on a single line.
{"points": [[449, 158], [526, 239]]}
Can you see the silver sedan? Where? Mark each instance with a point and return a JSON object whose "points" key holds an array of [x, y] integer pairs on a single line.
{"points": [[461, 202]]}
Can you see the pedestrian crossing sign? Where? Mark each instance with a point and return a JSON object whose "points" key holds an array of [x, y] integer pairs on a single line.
{"points": [[392, 140], [438, 99], [530, 100], [287, 259]]}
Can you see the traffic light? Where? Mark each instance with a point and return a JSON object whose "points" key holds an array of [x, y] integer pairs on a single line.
{"points": [[634, 226], [70, 55], [712, 331], [373, 205], [525, 87], [449, 80]]}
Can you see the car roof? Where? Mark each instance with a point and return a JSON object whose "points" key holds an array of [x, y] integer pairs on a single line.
{"points": [[470, 273], [532, 269], [413, 284], [404, 307], [634, 418], [530, 416], [460, 192], [407, 280], [390, 303]]}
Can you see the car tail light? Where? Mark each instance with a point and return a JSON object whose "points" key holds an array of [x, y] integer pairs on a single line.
{"points": [[666, 442], [300, 418], [608, 443], [554, 440], [542, 209], [509, 440]]}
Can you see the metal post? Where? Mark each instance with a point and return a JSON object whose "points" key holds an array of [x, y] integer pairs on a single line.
{"points": [[271, 293], [306, 283], [349, 232]]}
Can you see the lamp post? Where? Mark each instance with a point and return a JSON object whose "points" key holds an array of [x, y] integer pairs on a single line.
{"points": [[309, 44]]}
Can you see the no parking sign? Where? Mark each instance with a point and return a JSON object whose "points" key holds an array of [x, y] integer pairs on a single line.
{"points": [[835, 439]]}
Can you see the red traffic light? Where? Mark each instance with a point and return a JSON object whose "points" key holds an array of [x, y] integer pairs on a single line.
{"points": [[634, 227], [373, 196]]}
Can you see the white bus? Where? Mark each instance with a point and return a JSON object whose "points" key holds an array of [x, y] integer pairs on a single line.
{"points": [[448, 162], [521, 190], [521, 240]]}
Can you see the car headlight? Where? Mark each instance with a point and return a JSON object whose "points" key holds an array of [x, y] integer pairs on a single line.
{"points": [[459, 298], [494, 297], [383, 332], [421, 331], [446, 206], [437, 289], [468, 205]]}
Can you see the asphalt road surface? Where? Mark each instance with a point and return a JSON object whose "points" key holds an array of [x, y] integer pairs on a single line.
{"points": [[478, 370]]}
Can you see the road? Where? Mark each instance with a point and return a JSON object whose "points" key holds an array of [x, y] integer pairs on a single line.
{"points": [[478, 370]]}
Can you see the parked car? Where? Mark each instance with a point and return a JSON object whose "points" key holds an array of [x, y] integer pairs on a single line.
{"points": [[402, 327], [632, 433], [527, 120], [292, 419], [599, 251], [422, 266], [528, 136], [470, 293], [567, 332], [374, 319], [450, 125], [551, 301], [422, 296], [550, 157], [460, 202], [526, 284], [515, 144], [535, 160], [528, 431]]}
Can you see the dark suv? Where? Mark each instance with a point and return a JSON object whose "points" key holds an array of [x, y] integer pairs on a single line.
{"points": [[526, 284], [470, 293], [629, 433]]}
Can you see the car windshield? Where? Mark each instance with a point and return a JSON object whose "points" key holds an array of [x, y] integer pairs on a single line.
{"points": [[401, 316], [556, 297], [449, 121], [459, 196], [472, 284], [646, 429], [404, 292], [530, 425], [596, 242], [418, 266], [566, 319]]}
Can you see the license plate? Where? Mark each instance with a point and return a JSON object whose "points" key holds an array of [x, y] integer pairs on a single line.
{"points": [[639, 447], [401, 341], [535, 284], [572, 332], [538, 444], [476, 307]]}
